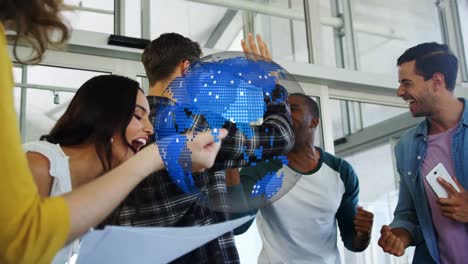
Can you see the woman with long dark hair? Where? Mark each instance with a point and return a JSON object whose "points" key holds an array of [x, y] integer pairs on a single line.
{"points": [[35, 228], [105, 124]]}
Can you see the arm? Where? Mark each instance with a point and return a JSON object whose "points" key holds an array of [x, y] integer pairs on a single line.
{"points": [[40, 167], [274, 135], [347, 211], [404, 230], [405, 213], [40, 233], [394, 239], [91, 203], [363, 221], [237, 199], [248, 177]]}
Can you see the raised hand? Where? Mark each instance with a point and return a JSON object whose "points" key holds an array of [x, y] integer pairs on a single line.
{"points": [[251, 47], [455, 206]]}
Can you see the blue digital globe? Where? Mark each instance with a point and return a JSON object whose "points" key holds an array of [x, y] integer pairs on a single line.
{"points": [[218, 90]]}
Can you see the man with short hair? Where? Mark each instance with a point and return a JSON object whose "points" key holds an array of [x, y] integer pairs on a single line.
{"points": [[301, 226], [158, 201], [438, 227]]}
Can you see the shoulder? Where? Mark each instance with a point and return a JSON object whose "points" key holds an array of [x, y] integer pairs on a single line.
{"points": [[335, 163], [343, 168], [40, 156], [39, 164]]}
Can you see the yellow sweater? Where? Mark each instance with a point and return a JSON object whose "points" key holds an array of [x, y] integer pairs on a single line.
{"points": [[32, 230]]}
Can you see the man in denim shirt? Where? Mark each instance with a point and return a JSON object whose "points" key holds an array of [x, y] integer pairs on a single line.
{"points": [[438, 227]]}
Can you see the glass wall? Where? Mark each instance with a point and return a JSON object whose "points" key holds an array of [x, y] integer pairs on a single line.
{"points": [[287, 37], [385, 29], [17, 77], [355, 116], [144, 83], [378, 194], [463, 13], [223, 28], [183, 17], [48, 91], [87, 12], [328, 35]]}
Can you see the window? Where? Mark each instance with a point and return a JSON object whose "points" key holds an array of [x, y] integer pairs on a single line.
{"points": [[463, 13], [144, 83], [48, 91], [286, 37], [374, 113], [88, 12], [351, 117], [56, 76], [222, 28], [378, 194], [43, 109], [385, 29]]}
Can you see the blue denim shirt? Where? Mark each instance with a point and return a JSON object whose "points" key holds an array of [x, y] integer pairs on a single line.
{"points": [[413, 212]]}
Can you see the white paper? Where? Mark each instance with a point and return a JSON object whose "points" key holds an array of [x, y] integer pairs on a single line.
{"points": [[117, 244]]}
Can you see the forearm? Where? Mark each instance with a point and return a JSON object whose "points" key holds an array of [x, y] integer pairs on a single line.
{"points": [[91, 203], [274, 137]]}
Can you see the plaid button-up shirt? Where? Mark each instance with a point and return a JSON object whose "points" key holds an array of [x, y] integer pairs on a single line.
{"points": [[158, 201]]}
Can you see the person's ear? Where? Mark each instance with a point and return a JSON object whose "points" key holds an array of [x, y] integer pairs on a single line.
{"points": [[314, 122], [438, 80], [185, 66]]}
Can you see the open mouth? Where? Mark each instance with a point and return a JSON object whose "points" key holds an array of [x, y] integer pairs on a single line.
{"points": [[410, 102], [138, 143]]}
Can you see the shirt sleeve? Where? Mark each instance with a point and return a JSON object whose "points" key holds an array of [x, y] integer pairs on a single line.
{"points": [[348, 207], [405, 213], [239, 207], [33, 230], [273, 137]]}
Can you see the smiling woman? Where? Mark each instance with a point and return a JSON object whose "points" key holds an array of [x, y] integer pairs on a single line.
{"points": [[105, 124]]}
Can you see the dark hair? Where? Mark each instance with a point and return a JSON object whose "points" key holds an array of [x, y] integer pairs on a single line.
{"points": [[101, 106], [431, 58], [311, 104], [35, 21], [163, 54]]}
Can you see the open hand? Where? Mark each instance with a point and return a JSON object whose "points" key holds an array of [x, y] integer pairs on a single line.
{"points": [[251, 48]]}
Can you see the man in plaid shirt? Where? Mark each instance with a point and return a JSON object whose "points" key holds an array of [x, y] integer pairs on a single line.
{"points": [[158, 201]]}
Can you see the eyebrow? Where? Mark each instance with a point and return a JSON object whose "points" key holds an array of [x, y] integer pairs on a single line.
{"points": [[142, 108], [405, 80]]}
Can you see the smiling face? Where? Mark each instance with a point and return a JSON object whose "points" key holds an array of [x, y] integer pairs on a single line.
{"points": [[136, 134], [416, 91], [304, 122]]}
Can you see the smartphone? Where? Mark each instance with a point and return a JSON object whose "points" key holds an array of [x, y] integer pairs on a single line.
{"points": [[440, 171]]}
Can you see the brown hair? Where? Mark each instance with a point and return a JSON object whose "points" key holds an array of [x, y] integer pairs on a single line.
{"points": [[35, 21], [163, 54]]}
